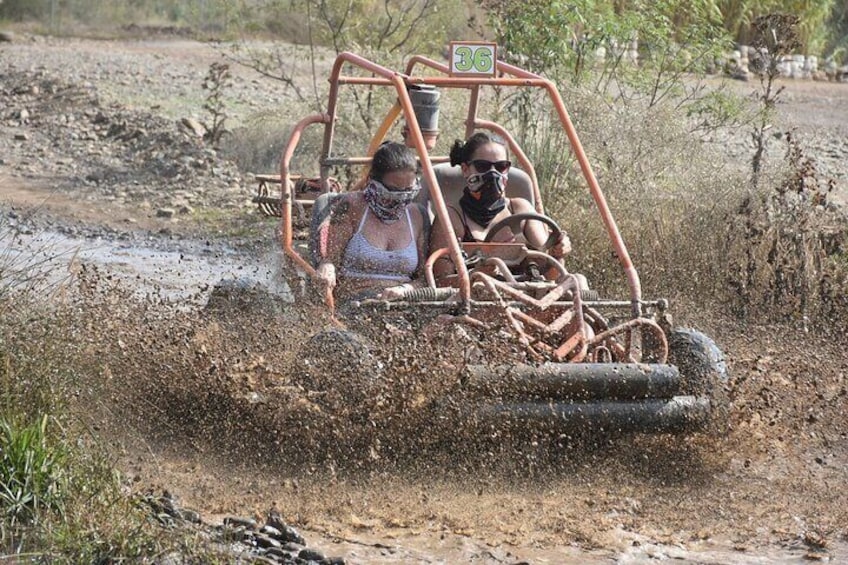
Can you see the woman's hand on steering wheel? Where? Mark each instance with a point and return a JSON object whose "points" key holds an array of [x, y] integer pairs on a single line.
{"points": [[555, 239], [561, 248]]}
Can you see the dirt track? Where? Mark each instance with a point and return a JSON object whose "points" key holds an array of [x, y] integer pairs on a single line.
{"points": [[768, 492]]}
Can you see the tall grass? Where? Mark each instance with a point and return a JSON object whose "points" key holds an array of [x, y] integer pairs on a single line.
{"points": [[31, 471], [61, 498]]}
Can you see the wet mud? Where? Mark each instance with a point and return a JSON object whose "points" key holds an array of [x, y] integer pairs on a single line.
{"points": [[369, 451]]}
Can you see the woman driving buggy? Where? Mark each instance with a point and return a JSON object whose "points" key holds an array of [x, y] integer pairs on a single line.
{"points": [[485, 168], [373, 243]]}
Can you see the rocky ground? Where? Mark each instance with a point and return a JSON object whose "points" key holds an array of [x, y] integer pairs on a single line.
{"points": [[98, 141]]}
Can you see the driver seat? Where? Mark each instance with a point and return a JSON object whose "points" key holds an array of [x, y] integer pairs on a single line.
{"points": [[452, 183]]}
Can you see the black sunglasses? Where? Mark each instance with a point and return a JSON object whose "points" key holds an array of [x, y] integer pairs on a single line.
{"points": [[482, 165]]}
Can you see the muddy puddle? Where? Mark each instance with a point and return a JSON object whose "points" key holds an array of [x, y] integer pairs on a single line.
{"points": [[622, 547], [182, 273], [562, 520]]}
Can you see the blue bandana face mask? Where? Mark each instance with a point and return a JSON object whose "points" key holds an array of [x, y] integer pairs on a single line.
{"points": [[387, 204]]}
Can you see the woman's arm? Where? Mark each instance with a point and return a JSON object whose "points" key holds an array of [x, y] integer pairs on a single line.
{"points": [[421, 227], [334, 233], [439, 238]]}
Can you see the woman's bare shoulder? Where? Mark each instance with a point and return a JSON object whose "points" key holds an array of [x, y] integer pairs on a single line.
{"points": [[348, 207]]}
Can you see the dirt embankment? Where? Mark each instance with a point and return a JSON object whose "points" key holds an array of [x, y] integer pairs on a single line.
{"points": [[88, 135]]}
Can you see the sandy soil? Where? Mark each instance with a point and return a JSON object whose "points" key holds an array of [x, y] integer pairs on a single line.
{"points": [[770, 490]]}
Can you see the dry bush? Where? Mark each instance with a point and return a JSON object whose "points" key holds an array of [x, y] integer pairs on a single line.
{"points": [[257, 147], [668, 192], [695, 229], [788, 247]]}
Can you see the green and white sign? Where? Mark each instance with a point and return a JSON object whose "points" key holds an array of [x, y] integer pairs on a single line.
{"points": [[473, 59]]}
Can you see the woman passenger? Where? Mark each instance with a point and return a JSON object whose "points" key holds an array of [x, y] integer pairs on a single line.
{"points": [[373, 243]]}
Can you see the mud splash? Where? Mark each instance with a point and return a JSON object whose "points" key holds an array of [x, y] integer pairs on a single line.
{"points": [[220, 408]]}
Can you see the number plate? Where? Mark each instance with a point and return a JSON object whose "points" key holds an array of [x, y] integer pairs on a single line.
{"points": [[472, 58]]}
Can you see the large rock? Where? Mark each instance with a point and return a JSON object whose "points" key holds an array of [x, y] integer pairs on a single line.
{"points": [[194, 127]]}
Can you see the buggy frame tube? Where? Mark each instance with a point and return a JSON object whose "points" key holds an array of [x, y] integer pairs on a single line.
{"points": [[335, 80], [601, 202], [520, 77], [427, 62], [287, 196], [473, 104], [378, 138], [595, 189]]}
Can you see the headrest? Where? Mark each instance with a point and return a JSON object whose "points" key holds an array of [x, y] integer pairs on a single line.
{"points": [[452, 182]]}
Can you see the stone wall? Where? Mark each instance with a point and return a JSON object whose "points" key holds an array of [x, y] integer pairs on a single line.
{"points": [[747, 61]]}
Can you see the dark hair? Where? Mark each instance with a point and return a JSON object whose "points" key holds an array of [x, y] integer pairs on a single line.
{"points": [[390, 157], [462, 152]]}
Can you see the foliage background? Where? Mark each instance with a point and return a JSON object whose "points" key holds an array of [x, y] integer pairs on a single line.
{"points": [[824, 23]]}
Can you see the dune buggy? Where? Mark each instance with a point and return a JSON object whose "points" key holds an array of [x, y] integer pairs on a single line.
{"points": [[587, 360]]}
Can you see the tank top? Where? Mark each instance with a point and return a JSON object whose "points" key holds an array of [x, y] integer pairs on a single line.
{"points": [[363, 260]]}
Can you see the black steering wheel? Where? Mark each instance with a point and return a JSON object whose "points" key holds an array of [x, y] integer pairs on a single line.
{"points": [[513, 222]]}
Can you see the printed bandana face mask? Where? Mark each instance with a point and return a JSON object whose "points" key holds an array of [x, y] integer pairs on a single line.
{"points": [[483, 198], [406, 195], [386, 204]]}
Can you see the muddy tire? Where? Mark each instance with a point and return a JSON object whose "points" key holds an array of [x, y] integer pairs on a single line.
{"points": [[339, 372], [704, 371], [239, 297]]}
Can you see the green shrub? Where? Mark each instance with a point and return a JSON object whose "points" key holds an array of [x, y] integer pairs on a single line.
{"points": [[32, 471]]}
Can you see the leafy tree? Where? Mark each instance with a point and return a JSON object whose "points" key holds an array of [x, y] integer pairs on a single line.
{"points": [[566, 39], [837, 26]]}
